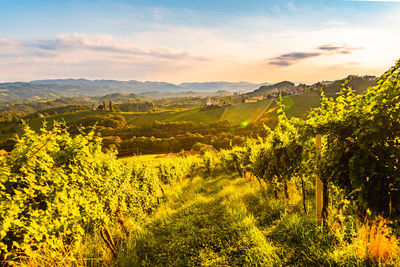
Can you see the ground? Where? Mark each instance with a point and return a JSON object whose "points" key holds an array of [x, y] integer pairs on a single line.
{"points": [[220, 221], [206, 222]]}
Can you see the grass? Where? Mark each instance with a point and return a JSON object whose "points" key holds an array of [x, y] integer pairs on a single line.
{"points": [[148, 118], [226, 220], [295, 106], [196, 115], [246, 112], [299, 105], [205, 222], [234, 114]]}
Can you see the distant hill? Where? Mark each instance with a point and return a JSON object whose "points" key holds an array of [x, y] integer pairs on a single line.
{"points": [[267, 89], [220, 86], [357, 83], [44, 89], [47, 89], [117, 97], [331, 89], [298, 105], [102, 87], [10, 92]]}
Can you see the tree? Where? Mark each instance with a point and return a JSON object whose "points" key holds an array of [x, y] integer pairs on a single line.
{"points": [[110, 106]]}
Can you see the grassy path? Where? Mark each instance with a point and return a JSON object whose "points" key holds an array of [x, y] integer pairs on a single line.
{"points": [[205, 222], [265, 110], [228, 221]]}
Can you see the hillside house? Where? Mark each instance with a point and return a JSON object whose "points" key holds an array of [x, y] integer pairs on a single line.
{"points": [[370, 77], [296, 90], [212, 103], [254, 99]]}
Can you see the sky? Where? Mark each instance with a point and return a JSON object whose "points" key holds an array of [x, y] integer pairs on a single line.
{"points": [[196, 41]]}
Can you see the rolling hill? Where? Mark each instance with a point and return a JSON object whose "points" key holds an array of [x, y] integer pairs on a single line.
{"points": [[235, 114], [267, 89], [358, 83], [44, 89]]}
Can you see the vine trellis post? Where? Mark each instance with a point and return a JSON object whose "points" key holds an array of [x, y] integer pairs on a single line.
{"points": [[318, 183]]}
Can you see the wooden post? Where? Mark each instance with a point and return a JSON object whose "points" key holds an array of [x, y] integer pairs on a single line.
{"points": [[318, 184]]}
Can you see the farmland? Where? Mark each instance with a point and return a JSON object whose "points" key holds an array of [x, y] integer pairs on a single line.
{"points": [[234, 114]]}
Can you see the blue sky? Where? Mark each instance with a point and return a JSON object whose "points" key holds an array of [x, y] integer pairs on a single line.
{"points": [[178, 41]]}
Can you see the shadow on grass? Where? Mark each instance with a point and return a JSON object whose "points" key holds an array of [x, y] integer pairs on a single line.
{"points": [[210, 227]]}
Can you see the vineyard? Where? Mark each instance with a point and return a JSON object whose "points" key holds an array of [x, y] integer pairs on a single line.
{"points": [[66, 201]]}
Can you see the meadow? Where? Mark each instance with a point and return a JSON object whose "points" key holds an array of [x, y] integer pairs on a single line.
{"points": [[235, 114]]}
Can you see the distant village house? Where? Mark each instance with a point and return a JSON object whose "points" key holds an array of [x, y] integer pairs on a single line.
{"points": [[254, 99], [212, 103]]}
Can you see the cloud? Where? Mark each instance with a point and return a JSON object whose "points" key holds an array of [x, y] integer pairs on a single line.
{"points": [[251, 48], [335, 22], [290, 58], [338, 49], [4, 43], [101, 43], [293, 57], [95, 56], [280, 63]]}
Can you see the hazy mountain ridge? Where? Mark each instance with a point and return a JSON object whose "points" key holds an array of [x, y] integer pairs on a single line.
{"points": [[267, 89], [44, 89]]}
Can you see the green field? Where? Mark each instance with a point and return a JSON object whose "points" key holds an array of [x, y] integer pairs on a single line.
{"points": [[295, 106], [245, 112], [300, 105], [234, 114]]}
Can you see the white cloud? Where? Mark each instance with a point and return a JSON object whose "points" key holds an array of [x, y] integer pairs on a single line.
{"points": [[100, 44], [7, 43]]}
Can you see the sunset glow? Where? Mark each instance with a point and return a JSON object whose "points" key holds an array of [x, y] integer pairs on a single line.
{"points": [[175, 41]]}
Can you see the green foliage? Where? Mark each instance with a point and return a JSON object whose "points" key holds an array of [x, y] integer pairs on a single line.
{"points": [[109, 120], [238, 158], [174, 170], [362, 146], [280, 156], [203, 148], [55, 189], [210, 161]]}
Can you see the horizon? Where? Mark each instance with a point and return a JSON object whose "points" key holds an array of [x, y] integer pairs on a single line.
{"points": [[185, 82], [179, 42]]}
